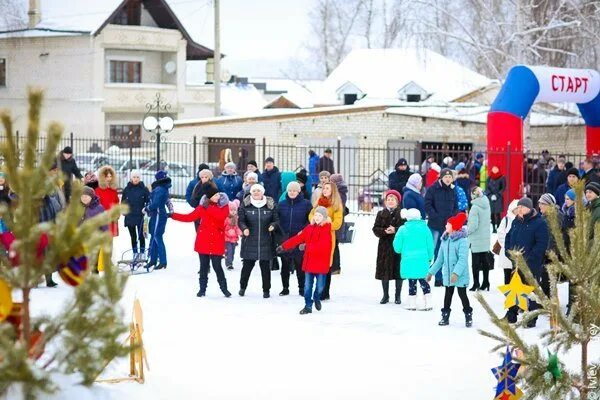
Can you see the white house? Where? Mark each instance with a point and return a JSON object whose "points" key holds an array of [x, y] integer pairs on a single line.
{"points": [[100, 63]]}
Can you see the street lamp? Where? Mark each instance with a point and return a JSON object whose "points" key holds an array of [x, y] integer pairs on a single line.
{"points": [[158, 121]]}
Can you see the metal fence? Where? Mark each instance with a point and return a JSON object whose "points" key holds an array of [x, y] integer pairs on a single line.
{"points": [[365, 169]]}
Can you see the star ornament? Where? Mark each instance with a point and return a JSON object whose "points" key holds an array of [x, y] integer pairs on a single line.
{"points": [[506, 374], [516, 293]]}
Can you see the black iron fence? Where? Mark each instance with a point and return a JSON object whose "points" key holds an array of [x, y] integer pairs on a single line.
{"points": [[365, 169]]}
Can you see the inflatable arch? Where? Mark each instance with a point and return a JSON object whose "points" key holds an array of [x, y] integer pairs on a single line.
{"points": [[525, 86]]}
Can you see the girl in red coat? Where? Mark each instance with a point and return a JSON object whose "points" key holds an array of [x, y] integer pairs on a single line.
{"points": [[107, 193], [317, 239], [210, 238]]}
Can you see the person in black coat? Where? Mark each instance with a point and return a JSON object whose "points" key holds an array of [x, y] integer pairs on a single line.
{"points": [[440, 204], [257, 218], [136, 195], [271, 179], [326, 162], [293, 213], [529, 234], [5, 193], [398, 178], [69, 168], [590, 173], [496, 185]]}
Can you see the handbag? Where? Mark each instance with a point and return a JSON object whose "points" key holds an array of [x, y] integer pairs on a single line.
{"points": [[496, 248], [346, 233]]}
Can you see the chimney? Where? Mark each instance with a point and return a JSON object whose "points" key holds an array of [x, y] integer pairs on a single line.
{"points": [[34, 13]]}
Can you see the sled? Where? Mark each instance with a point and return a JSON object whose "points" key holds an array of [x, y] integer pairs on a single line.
{"points": [[134, 265]]}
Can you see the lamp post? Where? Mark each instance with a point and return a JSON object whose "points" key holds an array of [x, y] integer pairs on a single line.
{"points": [[158, 121]]}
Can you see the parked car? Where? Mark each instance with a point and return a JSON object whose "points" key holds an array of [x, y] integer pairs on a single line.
{"points": [[122, 165], [180, 175], [90, 161]]}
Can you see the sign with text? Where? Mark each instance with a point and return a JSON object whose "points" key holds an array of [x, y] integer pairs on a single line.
{"points": [[558, 85]]}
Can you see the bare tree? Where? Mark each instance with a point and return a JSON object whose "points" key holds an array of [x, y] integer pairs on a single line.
{"points": [[13, 15]]}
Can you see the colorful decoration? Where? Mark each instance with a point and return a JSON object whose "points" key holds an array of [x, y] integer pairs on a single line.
{"points": [[74, 271], [506, 374], [516, 292], [553, 369], [6, 303]]}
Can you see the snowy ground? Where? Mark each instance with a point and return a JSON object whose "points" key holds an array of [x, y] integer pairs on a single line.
{"points": [[252, 348]]}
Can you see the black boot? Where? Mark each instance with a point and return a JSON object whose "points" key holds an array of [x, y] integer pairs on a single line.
{"points": [[445, 317], [386, 291], [475, 279], [468, 317], [485, 285], [397, 299], [50, 282], [305, 311], [511, 315], [202, 291], [266, 295], [284, 292], [242, 292], [318, 305]]}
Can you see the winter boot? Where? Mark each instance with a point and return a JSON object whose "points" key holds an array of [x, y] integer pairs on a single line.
{"points": [[266, 295], [385, 299], [161, 266], [226, 292], [412, 303], [468, 317], [427, 303], [386, 291], [230, 267], [50, 282], [397, 299], [511, 315], [201, 293], [242, 292], [318, 305], [475, 279], [445, 317], [284, 292], [305, 310]]}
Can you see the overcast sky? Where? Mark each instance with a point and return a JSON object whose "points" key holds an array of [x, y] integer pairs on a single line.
{"points": [[257, 36]]}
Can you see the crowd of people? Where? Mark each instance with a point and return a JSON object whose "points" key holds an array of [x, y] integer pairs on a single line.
{"points": [[431, 223]]}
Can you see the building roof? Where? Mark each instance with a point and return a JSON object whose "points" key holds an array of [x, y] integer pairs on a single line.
{"points": [[239, 99], [89, 17], [380, 73]]}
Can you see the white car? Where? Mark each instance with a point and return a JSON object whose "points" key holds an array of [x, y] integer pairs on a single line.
{"points": [[123, 165], [180, 175]]}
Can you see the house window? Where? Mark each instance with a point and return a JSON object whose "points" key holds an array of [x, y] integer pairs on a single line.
{"points": [[350, 98], [126, 136], [125, 71], [130, 14], [2, 72]]}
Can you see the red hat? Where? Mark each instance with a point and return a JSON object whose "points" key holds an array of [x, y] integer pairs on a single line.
{"points": [[458, 221], [394, 193]]}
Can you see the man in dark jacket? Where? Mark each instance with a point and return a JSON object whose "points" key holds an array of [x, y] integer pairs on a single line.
{"points": [[398, 178], [528, 234], [440, 204], [271, 178], [69, 168], [592, 194], [561, 191], [326, 162], [556, 174], [590, 173], [190, 187]]}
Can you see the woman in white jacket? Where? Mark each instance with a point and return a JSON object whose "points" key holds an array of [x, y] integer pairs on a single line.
{"points": [[503, 229]]}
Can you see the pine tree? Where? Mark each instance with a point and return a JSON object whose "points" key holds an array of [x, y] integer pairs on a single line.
{"points": [[580, 264], [89, 330]]}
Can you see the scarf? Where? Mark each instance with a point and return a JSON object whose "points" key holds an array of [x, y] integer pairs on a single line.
{"points": [[324, 202], [258, 203]]}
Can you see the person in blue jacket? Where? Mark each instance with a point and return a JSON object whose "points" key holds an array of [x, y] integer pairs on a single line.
{"points": [[136, 195], [440, 204], [190, 187], [453, 261], [157, 210], [529, 234], [313, 163], [229, 182], [293, 217], [411, 195], [271, 179]]}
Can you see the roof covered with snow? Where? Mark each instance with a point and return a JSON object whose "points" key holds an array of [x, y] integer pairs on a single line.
{"points": [[380, 74], [239, 99]]}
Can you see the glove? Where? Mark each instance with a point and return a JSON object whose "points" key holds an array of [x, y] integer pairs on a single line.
{"points": [[302, 247], [279, 250]]}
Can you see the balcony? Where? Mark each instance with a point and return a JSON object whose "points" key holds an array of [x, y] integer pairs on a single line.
{"points": [[133, 97], [141, 38]]}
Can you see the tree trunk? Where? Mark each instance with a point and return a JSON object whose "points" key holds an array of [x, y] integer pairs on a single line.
{"points": [[26, 322]]}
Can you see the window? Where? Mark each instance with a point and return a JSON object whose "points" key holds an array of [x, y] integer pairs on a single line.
{"points": [[125, 71], [130, 14], [2, 72], [120, 135]]}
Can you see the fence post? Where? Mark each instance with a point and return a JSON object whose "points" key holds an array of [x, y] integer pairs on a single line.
{"points": [[17, 135], [264, 150], [195, 149], [339, 154], [71, 137], [508, 155]]}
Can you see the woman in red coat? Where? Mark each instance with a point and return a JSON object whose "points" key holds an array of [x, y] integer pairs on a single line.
{"points": [[317, 238], [107, 193], [210, 237]]}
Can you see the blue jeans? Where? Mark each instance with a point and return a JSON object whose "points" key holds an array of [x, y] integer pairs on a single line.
{"points": [[437, 240], [229, 253], [309, 279]]}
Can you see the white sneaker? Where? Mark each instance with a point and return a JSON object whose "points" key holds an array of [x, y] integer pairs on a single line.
{"points": [[412, 303], [427, 303]]}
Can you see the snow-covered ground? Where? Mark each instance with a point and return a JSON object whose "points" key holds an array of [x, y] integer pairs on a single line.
{"points": [[255, 348]]}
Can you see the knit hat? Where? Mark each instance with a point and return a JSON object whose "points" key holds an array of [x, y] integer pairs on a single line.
{"points": [[435, 167], [594, 187], [74, 271], [325, 173], [415, 179], [234, 205], [135, 173], [394, 193], [160, 175], [525, 202], [573, 171], [252, 162], [410, 214], [203, 166], [457, 221], [293, 185], [336, 178], [478, 156], [257, 186], [547, 199], [230, 164], [302, 176], [446, 172], [460, 166], [321, 210], [209, 189], [250, 175], [88, 191], [269, 159], [447, 160], [68, 150], [206, 172], [402, 161], [571, 194]]}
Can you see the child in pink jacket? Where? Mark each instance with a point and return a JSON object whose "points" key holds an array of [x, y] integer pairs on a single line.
{"points": [[232, 233]]}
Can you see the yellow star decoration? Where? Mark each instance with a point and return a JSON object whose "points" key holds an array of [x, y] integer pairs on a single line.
{"points": [[516, 292]]}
